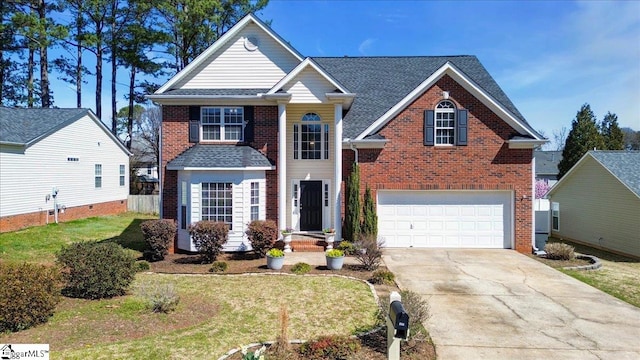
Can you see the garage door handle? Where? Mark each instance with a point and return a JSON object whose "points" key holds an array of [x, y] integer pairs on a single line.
{"points": [[411, 226]]}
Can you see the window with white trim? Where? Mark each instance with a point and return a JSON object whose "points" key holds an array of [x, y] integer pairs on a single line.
{"points": [[217, 202], [445, 123], [97, 176], [311, 138], [555, 216], [121, 172], [255, 201], [222, 123]]}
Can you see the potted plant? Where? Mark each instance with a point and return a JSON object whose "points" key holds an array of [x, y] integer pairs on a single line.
{"points": [[286, 238], [275, 259], [329, 237], [335, 259]]}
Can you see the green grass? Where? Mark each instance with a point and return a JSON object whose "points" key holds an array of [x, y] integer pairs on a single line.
{"points": [[40, 244]]}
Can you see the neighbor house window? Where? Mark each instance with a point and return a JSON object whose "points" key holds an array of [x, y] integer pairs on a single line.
{"points": [[555, 216], [311, 138], [255, 201], [122, 175], [222, 123], [445, 124], [217, 202], [98, 176]]}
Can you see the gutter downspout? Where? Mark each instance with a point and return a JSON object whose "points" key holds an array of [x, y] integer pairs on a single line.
{"points": [[355, 150]]}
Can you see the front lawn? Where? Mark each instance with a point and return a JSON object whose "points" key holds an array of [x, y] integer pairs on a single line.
{"points": [[40, 243], [215, 314], [619, 275]]}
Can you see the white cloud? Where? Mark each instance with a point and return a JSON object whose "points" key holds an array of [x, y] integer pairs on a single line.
{"points": [[364, 46]]}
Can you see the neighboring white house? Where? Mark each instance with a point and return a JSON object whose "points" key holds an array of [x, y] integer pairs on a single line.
{"points": [[64, 158], [598, 202]]}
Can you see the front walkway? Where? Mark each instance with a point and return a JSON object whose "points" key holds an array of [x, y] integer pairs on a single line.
{"points": [[499, 304]]}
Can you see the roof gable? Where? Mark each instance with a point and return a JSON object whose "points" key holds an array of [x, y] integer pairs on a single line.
{"points": [[623, 165], [249, 55], [25, 127]]}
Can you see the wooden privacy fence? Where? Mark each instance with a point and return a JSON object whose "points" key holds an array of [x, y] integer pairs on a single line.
{"points": [[145, 204]]}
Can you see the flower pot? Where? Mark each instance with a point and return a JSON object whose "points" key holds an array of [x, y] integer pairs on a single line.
{"points": [[275, 263], [329, 238], [286, 238], [335, 263]]}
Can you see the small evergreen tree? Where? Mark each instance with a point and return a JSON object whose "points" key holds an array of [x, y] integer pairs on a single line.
{"points": [[584, 136], [611, 132], [370, 218], [352, 214]]}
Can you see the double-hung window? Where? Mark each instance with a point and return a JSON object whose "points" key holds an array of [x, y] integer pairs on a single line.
{"points": [[255, 201], [222, 123], [97, 176], [445, 126], [122, 174], [217, 202], [555, 216], [311, 138]]}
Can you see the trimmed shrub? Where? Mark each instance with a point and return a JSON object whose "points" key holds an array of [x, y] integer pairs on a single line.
{"points": [[160, 297], [262, 235], [369, 252], [383, 277], [330, 347], [300, 268], [142, 265], [209, 237], [347, 247], [418, 309], [218, 267], [96, 270], [560, 251], [28, 295], [159, 235]]}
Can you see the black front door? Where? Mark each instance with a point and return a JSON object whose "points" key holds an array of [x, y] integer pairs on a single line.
{"points": [[310, 205]]}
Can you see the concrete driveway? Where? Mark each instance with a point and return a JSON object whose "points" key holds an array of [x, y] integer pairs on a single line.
{"points": [[499, 304]]}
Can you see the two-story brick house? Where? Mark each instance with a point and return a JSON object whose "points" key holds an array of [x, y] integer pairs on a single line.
{"points": [[253, 130]]}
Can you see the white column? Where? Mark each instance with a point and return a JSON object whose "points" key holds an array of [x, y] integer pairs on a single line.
{"points": [[337, 173], [282, 166]]}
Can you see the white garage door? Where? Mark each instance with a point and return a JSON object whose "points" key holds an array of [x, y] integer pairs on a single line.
{"points": [[456, 219]]}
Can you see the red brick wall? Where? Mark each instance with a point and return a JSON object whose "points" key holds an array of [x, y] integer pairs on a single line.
{"points": [[175, 140], [486, 163], [17, 222]]}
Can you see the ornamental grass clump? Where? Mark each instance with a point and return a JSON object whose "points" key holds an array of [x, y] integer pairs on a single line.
{"points": [[208, 238], [560, 251], [300, 268], [161, 298], [29, 294], [262, 235], [417, 307]]}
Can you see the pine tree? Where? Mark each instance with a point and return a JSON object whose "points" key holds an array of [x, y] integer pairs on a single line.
{"points": [[611, 132], [370, 218], [352, 214], [584, 136]]}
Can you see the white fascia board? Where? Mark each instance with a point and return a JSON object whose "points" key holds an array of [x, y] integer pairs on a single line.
{"points": [[464, 81], [201, 100], [13, 144], [525, 144], [188, 168], [220, 43], [298, 69]]}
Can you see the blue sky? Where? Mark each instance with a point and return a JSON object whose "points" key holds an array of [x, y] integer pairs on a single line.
{"points": [[549, 57]]}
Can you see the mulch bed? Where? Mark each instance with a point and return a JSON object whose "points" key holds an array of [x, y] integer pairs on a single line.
{"points": [[557, 264]]}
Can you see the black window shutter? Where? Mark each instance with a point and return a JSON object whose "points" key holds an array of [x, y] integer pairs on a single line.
{"points": [[428, 127], [248, 128], [194, 124], [462, 127]]}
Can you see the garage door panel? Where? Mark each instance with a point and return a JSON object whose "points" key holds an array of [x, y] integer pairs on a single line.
{"points": [[480, 219]]}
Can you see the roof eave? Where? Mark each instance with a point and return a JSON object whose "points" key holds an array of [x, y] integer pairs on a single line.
{"points": [[193, 168], [525, 144]]}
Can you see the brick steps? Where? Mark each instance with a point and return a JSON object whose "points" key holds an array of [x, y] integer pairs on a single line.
{"points": [[308, 243]]}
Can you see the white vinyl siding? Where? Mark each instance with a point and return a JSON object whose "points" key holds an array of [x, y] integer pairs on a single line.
{"points": [[234, 67], [308, 87], [596, 208], [455, 219], [87, 144]]}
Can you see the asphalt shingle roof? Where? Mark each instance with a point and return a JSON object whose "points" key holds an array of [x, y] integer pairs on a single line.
{"points": [[382, 82], [219, 156], [625, 165], [547, 162], [215, 92], [22, 126]]}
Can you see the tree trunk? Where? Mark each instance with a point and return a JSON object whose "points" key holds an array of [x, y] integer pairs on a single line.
{"points": [[79, 28], [44, 58], [114, 68], [30, 69], [99, 74], [132, 83]]}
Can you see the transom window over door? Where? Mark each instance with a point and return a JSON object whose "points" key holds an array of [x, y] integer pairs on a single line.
{"points": [[311, 138], [217, 202], [445, 123], [222, 123]]}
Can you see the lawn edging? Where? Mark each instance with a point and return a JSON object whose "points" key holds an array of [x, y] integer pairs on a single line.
{"points": [[595, 263]]}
